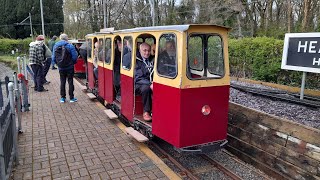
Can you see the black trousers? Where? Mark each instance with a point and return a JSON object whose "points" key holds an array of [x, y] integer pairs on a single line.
{"points": [[146, 94], [64, 76], [46, 68], [38, 76]]}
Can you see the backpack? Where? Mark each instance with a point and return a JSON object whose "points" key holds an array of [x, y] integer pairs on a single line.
{"points": [[63, 57]]}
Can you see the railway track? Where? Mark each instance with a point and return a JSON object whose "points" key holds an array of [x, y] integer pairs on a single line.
{"points": [[210, 166], [280, 95]]}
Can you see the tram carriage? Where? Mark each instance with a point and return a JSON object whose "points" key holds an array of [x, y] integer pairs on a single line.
{"points": [[80, 66], [190, 94]]}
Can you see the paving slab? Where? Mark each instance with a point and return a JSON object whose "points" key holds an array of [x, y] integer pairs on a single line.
{"points": [[76, 141]]}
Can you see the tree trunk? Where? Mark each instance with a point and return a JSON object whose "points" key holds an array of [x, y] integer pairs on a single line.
{"points": [[306, 12], [289, 15]]}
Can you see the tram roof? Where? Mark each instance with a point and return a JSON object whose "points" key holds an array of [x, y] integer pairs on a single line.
{"points": [[180, 28]]}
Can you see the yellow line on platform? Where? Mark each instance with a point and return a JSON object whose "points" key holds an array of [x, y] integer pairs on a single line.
{"points": [[157, 161]]}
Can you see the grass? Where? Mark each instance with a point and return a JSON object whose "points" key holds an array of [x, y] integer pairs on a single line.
{"points": [[10, 61]]}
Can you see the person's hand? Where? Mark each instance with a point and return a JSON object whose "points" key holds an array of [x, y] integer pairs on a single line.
{"points": [[151, 86]]}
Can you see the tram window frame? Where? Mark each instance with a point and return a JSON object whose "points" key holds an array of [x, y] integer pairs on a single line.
{"points": [[205, 71], [89, 48], [220, 58], [161, 49], [126, 39], [108, 51], [101, 50]]}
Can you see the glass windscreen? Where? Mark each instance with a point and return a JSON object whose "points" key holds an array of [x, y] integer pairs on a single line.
{"points": [[101, 53], [167, 56], [89, 48], [127, 53], [205, 56], [108, 50]]}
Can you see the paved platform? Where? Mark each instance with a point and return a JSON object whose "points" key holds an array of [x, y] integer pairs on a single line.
{"points": [[77, 141]]}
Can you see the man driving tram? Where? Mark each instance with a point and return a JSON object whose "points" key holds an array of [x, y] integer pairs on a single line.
{"points": [[167, 59]]}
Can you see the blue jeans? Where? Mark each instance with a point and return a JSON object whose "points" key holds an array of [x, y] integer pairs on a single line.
{"points": [[46, 68], [38, 76]]}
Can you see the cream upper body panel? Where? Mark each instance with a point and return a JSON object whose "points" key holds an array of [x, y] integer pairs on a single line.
{"points": [[182, 32], [196, 83]]}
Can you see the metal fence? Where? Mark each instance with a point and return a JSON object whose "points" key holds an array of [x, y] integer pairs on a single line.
{"points": [[13, 101]]}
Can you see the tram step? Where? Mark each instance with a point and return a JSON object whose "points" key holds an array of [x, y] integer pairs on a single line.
{"points": [[83, 88], [91, 96], [135, 134], [110, 114]]}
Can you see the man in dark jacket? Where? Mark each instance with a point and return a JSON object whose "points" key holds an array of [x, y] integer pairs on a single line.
{"points": [[66, 72], [143, 79], [51, 43], [167, 60]]}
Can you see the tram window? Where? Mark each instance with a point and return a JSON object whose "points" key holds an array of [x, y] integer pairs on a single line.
{"points": [[195, 53], [167, 56], [215, 57], [150, 41], [108, 50], [101, 50], [205, 56], [127, 53], [89, 48]]}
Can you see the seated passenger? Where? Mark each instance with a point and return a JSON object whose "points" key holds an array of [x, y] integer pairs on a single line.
{"points": [[167, 59], [95, 60], [143, 79], [127, 55], [153, 49]]}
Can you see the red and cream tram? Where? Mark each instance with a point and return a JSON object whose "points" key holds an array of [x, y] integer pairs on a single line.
{"points": [[190, 94]]}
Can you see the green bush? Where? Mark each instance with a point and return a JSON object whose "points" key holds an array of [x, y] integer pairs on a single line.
{"points": [[260, 58], [7, 45]]}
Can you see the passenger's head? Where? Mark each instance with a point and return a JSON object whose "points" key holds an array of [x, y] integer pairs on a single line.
{"points": [[145, 50], [128, 43], [54, 37], [171, 48], [40, 38], [96, 45], [153, 49], [119, 44], [64, 37], [78, 45]]}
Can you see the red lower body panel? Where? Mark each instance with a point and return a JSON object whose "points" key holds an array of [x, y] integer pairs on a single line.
{"points": [[177, 116], [90, 75], [79, 67], [127, 93], [166, 113], [108, 83], [101, 81]]}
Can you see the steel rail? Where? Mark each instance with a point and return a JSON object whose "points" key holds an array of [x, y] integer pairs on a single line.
{"points": [[184, 170], [233, 157], [280, 96], [222, 168]]}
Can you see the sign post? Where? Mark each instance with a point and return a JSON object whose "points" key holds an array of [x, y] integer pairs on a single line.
{"points": [[301, 52]]}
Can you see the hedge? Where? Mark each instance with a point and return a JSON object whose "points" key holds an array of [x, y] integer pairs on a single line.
{"points": [[7, 45], [260, 59]]}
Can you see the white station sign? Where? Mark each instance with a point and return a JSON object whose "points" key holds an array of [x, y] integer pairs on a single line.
{"points": [[301, 52]]}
